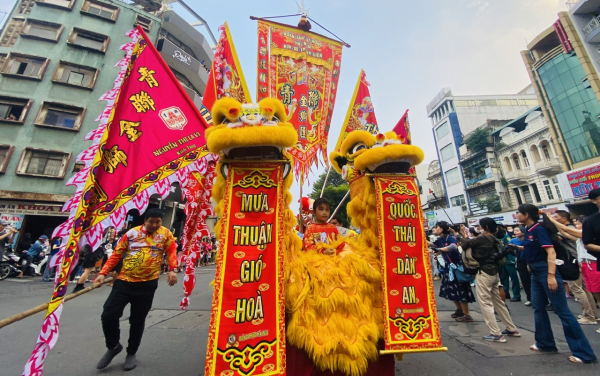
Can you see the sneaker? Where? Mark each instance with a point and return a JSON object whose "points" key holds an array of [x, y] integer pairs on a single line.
{"points": [[464, 318], [108, 357], [528, 303], [507, 332], [436, 278], [493, 338], [130, 362], [598, 330], [457, 313], [586, 321]]}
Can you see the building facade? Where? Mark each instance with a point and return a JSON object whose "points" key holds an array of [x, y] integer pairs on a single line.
{"points": [[568, 89], [454, 116], [57, 58]]}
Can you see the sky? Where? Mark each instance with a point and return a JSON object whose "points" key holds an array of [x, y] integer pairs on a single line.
{"points": [[409, 50]]}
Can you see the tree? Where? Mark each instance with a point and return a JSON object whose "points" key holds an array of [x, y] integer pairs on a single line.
{"points": [[335, 190], [478, 140], [491, 204]]}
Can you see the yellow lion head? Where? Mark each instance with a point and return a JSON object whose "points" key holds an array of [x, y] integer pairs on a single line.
{"points": [[366, 153], [250, 130]]}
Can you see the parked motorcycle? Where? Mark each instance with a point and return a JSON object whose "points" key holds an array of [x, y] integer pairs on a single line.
{"points": [[8, 266]]}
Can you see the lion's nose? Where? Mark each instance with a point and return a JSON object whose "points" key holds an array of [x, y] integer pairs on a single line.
{"points": [[251, 117]]}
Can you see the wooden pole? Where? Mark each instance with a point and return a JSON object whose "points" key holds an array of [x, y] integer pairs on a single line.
{"points": [[42, 307], [325, 182], [339, 205]]}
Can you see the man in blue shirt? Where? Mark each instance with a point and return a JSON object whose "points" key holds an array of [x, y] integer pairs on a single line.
{"points": [[36, 250]]}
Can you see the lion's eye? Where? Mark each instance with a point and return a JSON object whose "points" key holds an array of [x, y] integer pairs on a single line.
{"points": [[358, 147]]}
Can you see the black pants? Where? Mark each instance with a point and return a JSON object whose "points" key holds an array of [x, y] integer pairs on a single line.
{"points": [[26, 268], [525, 277], [140, 296]]}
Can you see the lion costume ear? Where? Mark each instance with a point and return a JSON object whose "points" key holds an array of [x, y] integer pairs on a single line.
{"points": [[271, 107], [226, 108], [338, 161]]}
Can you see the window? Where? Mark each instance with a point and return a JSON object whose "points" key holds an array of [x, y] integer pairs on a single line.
{"points": [[13, 109], [57, 3], [507, 164], [452, 176], [180, 44], [447, 152], [6, 152], [548, 190], [525, 159], [516, 161], [487, 102], [507, 102], [78, 166], [60, 116], [442, 130], [557, 188], [42, 30], [546, 151], [528, 102], [75, 75], [464, 103], [25, 66], [526, 194], [458, 201], [25, 6], [88, 40], [11, 32], [536, 193], [518, 195], [100, 10], [144, 22], [48, 163]]}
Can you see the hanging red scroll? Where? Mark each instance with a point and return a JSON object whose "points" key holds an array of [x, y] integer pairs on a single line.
{"points": [[410, 314], [302, 70], [247, 325]]}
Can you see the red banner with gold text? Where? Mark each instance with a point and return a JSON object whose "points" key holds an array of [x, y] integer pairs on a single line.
{"points": [[411, 323], [247, 326], [302, 70]]}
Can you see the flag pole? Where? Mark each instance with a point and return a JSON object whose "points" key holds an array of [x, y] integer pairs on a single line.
{"points": [[325, 182], [300, 212], [339, 205]]}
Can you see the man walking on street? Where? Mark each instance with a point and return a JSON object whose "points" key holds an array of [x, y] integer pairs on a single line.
{"points": [[142, 249]]}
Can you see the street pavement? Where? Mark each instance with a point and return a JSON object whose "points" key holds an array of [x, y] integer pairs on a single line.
{"points": [[174, 341]]}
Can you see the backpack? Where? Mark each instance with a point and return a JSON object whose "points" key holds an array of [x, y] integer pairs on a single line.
{"points": [[471, 266], [569, 270], [498, 250]]}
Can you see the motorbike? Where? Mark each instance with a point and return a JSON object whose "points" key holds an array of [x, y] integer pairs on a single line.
{"points": [[8, 266], [38, 264]]}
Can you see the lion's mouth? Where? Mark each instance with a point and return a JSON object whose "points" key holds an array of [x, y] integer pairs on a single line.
{"points": [[254, 152], [392, 167]]}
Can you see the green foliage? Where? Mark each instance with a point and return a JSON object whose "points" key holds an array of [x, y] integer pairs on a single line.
{"points": [[335, 190], [491, 204], [478, 140]]}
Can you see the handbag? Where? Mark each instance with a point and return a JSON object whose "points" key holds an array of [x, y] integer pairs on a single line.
{"points": [[460, 275]]}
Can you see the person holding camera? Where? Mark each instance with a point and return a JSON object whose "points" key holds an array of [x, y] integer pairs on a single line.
{"points": [[486, 251], [458, 292], [7, 234], [547, 283]]}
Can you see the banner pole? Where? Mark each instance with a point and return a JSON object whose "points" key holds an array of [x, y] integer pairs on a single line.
{"points": [[325, 182], [300, 212], [339, 205]]}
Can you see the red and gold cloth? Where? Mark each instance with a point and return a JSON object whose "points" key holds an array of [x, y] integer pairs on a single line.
{"points": [[142, 254], [226, 77], [361, 113], [318, 235], [247, 325], [402, 129], [410, 315], [302, 70]]}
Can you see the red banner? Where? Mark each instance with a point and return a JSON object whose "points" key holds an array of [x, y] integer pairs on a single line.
{"points": [[410, 314], [226, 77], [361, 113], [582, 181], [247, 325], [302, 70]]}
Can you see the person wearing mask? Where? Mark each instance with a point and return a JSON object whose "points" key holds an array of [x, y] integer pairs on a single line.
{"points": [[484, 250], [54, 249], [562, 220], [37, 249], [546, 283], [142, 250], [458, 292], [525, 276]]}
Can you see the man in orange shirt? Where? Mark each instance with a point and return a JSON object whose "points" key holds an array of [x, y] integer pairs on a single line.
{"points": [[141, 250]]}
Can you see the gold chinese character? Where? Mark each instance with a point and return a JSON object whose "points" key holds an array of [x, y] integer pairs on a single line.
{"points": [[262, 77], [313, 99], [129, 128], [303, 132], [262, 89], [147, 75], [112, 157], [262, 50], [263, 64], [303, 101], [142, 102], [286, 93], [302, 115]]}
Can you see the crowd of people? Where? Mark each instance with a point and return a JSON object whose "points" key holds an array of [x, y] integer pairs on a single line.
{"points": [[552, 258]]}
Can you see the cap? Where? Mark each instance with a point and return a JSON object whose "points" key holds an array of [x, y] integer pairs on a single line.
{"points": [[3, 222], [44, 237]]}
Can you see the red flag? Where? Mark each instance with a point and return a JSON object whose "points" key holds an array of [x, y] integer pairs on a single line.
{"points": [[430, 191], [226, 77], [402, 129]]}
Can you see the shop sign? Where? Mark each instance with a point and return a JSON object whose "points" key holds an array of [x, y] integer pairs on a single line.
{"points": [[16, 207], [584, 180], [16, 221]]}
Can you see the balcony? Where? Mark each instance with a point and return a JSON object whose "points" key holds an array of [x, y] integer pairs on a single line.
{"points": [[517, 176], [548, 167], [582, 7], [183, 63], [436, 196], [480, 180], [591, 31]]}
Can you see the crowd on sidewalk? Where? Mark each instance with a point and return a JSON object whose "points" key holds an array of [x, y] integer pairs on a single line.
{"points": [[551, 258]]}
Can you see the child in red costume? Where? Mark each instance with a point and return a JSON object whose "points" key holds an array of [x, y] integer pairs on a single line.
{"points": [[320, 233]]}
